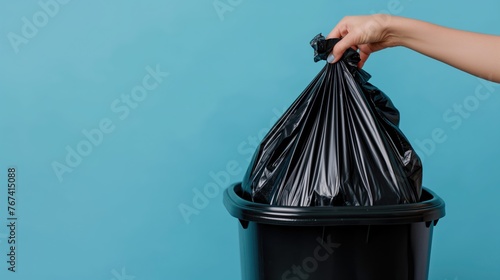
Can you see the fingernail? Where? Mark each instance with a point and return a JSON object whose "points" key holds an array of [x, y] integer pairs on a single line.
{"points": [[330, 58]]}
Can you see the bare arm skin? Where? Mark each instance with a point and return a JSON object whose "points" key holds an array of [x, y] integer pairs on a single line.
{"points": [[474, 53]]}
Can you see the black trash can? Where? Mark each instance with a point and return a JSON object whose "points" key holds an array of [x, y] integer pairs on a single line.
{"points": [[335, 243]]}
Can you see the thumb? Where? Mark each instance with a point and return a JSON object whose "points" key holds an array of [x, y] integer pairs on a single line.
{"points": [[339, 48]]}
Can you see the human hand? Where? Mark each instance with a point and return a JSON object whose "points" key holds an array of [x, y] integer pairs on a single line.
{"points": [[367, 34]]}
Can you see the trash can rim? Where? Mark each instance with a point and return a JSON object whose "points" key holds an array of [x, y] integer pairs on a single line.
{"points": [[430, 209]]}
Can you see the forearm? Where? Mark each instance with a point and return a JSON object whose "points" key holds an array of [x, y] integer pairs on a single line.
{"points": [[477, 54]]}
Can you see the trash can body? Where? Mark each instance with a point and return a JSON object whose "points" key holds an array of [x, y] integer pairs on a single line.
{"points": [[335, 243]]}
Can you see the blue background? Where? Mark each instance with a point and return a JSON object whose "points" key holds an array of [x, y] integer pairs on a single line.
{"points": [[116, 214]]}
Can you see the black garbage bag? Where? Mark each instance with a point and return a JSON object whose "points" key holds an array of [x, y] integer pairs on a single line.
{"points": [[338, 144]]}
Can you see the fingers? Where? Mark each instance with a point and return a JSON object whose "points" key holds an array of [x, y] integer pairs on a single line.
{"points": [[339, 49], [356, 33], [335, 33], [363, 56], [340, 30]]}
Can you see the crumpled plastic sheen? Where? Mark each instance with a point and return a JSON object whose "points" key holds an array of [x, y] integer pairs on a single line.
{"points": [[338, 144]]}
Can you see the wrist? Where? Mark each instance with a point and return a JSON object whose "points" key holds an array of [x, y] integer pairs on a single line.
{"points": [[392, 31], [398, 31]]}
